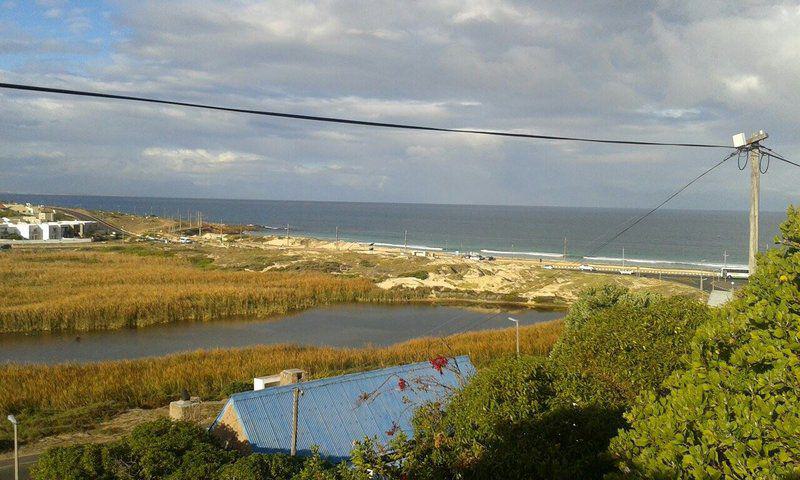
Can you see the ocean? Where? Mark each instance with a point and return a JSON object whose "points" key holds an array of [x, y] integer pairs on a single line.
{"points": [[685, 238]]}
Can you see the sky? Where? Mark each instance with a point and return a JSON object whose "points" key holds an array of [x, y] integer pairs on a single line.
{"points": [[677, 71]]}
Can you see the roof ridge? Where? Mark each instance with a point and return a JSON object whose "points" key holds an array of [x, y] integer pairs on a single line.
{"points": [[347, 377]]}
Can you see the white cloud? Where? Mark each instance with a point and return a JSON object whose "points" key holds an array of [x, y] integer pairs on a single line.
{"points": [[187, 160], [676, 71], [744, 84]]}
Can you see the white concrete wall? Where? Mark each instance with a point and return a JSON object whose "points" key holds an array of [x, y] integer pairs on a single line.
{"points": [[50, 231]]}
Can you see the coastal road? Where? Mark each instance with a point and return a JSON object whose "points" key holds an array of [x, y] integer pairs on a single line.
{"points": [[25, 463], [84, 215]]}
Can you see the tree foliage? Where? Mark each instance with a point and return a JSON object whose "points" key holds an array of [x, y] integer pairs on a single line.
{"points": [[501, 425], [733, 412], [617, 343], [168, 450]]}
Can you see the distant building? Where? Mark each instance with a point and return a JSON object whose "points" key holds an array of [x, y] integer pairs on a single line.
{"points": [[334, 412], [48, 230]]}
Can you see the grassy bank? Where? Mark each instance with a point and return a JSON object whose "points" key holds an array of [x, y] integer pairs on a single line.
{"points": [[58, 398], [135, 286]]}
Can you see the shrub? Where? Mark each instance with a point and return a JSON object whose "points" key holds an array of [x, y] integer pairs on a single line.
{"points": [[159, 449], [733, 412], [163, 449], [235, 387], [617, 343], [501, 425], [420, 274], [76, 462], [262, 467]]}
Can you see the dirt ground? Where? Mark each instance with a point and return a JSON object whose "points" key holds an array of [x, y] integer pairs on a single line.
{"points": [[442, 275], [112, 429]]}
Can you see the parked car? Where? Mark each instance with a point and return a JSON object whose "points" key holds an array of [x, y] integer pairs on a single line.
{"points": [[586, 268]]}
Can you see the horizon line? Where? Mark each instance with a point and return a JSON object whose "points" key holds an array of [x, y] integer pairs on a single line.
{"points": [[374, 202]]}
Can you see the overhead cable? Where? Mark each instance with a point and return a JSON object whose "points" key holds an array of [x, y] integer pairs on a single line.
{"points": [[642, 217], [348, 121]]}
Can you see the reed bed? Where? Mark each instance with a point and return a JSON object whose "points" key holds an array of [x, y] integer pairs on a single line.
{"points": [[51, 395], [85, 290]]}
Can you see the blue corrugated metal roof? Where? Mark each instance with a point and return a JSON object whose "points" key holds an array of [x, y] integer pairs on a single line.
{"points": [[332, 412]]}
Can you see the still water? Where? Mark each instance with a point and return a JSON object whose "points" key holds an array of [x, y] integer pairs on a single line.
{"points": [[335, 326]]}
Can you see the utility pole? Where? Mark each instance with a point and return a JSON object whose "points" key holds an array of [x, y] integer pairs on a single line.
{"points": [[287, 234], [755, 193], [753, 147], [15, 422], [565, 248], [405, 240], [295, 414], [199, 224], [517, 325]]}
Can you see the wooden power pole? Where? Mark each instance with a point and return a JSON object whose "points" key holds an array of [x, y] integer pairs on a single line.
{"points": [[752, 146], [295, 415], [755, 193]]}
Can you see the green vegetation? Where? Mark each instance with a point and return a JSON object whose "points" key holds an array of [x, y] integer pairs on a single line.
{"points": [[420, 274], [733, 412], [50, 399], [706, 395], [550, 418], [176, 451], [503, 424], [135, 286], [618, 343]]}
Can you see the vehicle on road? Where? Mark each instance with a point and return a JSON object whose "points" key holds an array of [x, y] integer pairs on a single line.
{"points": [[586, 268]]}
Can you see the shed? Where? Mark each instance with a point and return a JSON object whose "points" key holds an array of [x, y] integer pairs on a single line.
{"points": [[334, 412]]}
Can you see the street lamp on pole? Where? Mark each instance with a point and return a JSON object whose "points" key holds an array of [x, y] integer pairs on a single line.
{"points": [[516, 322], [13, 420]]}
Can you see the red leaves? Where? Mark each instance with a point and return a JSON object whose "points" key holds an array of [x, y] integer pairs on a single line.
{"points": [[439, 363], [393, 430], [402, 384]]}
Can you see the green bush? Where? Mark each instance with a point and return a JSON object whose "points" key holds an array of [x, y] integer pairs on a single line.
{"points": [[617, 343], [235, 387], [501, 425], [420, 274], [168, 450], [79, 462], [733, 412], [262, 467]]}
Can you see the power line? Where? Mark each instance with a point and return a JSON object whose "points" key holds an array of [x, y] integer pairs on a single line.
{"points": [[348, 121], [776, 156], [642, 217]]}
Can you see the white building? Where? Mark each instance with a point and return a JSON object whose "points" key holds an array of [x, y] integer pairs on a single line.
{"points": [[47, 230]]}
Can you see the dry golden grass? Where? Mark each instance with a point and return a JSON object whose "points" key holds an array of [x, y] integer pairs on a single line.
{"points": [[89, 290], [59, 394]]}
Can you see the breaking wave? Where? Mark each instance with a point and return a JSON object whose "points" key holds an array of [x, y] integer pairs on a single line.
{"points": [[412, 247], [663, 262], [529, 254]]}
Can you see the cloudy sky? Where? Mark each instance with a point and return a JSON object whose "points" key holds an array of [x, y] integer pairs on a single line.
{"points": [[665, 71]]}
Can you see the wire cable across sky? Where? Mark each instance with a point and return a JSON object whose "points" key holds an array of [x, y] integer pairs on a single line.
{"points": [[348, 121], [653, 210], [404, 126]]}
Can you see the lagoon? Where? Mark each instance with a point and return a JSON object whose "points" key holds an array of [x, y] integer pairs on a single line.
{"points": [[336, 326]]}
